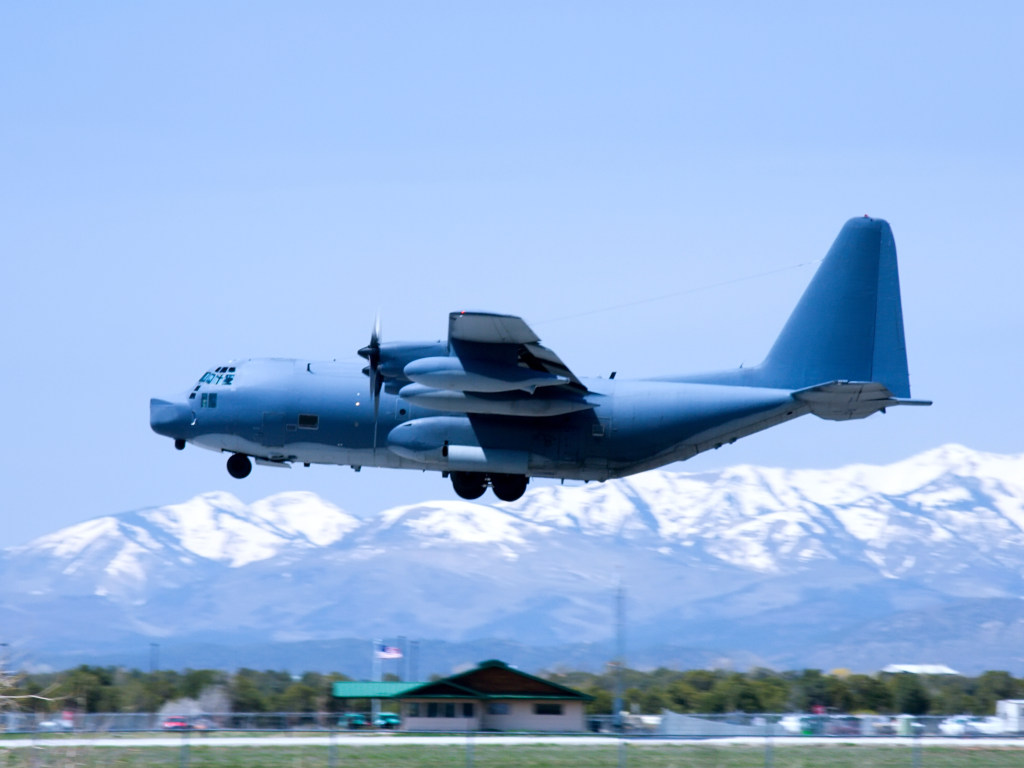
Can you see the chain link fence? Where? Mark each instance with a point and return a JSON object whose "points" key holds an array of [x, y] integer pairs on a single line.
{"points": [[667, 724], [318, 740]]}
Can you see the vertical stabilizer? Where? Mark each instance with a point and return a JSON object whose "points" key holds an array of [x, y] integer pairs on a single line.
{"points": [[848, 325]]}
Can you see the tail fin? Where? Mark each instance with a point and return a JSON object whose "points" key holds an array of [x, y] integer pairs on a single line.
{"points": [[848, 325]]}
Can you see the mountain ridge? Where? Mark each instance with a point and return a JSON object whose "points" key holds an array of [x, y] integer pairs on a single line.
{"points": [[767, 564]]}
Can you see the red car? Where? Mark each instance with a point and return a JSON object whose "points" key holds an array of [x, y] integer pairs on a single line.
{"points": [[177, 724]]}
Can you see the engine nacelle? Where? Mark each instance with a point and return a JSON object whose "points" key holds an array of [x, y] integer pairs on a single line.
{"points": [[394, 356], [452, 374], [499, 404]]}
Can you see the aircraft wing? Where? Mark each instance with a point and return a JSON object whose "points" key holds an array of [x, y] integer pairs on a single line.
{"points": [[488, 336], [492, 365]]}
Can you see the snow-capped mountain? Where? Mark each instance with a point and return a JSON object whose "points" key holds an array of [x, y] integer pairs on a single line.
{"points": [[782, 567]]}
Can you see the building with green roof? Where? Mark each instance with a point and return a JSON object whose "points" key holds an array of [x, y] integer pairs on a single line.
{"points": [[492, 696]]}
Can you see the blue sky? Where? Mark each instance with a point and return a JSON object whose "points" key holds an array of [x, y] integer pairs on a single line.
{"points": [[188, 183]]}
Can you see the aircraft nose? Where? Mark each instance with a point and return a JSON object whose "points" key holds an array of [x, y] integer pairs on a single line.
{"points": [[167, 418]]}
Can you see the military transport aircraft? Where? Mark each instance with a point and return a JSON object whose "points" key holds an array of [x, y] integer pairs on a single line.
{"points": [[490, 406]]}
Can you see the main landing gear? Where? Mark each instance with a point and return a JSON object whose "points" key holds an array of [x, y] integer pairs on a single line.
{"points": [[239, 465], [471, 485]]}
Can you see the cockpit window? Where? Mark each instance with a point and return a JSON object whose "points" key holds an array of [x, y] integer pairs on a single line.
{"points": [[223, 375]]}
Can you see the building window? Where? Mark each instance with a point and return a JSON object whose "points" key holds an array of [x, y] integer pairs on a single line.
{"points": [[449, 709], [309, 421], [414, 709], [467, 709], [497, 708], [547, 709], [432, 709]]}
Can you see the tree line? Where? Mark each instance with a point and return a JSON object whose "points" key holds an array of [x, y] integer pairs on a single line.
{"points": [[763, 690], [113, 689]]}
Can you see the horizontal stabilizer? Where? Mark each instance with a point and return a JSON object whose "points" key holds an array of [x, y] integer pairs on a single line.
{"points": [[844, 400]]}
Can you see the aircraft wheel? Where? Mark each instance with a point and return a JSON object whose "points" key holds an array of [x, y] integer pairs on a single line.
{"points": [[239, 465], [469, 485], [509, 487]]}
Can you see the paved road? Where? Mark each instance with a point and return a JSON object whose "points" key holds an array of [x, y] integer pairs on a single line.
{"points": [[377, 740]]}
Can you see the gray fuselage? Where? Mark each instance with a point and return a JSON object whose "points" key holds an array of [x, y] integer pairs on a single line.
{"points": [[322, 413]]}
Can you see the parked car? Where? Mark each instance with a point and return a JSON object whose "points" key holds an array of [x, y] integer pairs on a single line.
{"points": [[387, 720], [57, 725], [971, 725], [843, 725], [813, 725], [879, 725], [790, 723], [352, 721], [176, 724], [986, 726]]}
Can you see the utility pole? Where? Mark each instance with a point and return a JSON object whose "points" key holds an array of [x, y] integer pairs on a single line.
{"points": [[375, 703], [620, 653]]}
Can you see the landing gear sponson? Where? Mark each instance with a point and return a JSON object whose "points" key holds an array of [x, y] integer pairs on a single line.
{"points": [[471, 485]]}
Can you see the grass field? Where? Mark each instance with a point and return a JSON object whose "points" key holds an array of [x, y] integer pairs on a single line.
{"points": [[683, 755]]}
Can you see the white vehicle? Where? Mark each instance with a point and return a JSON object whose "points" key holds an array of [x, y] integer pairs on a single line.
{"points": [[791, 723], [971, 725]]}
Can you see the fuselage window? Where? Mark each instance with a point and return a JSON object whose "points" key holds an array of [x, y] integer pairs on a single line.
{"points": [[309, 421]]}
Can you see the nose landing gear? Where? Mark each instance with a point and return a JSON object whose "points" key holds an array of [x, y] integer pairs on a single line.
{"points": [[239, 465]]}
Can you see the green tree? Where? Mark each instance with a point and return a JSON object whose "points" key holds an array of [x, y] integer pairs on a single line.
{"points": [[994, 686], [808, 689], [908, 694], [869, 694], [602, 702], [838, 694], [683, 697], [195, 681], [245, 692], [772, 692], [297, 697]]}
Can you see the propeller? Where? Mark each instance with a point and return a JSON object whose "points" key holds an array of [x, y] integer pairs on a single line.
{"points": [[371, 352]]}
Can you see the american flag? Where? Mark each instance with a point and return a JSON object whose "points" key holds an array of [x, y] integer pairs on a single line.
{"points": [[388, 652]]}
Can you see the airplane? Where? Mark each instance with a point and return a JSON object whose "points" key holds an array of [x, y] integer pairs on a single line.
{"points": [[491, 407]]}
